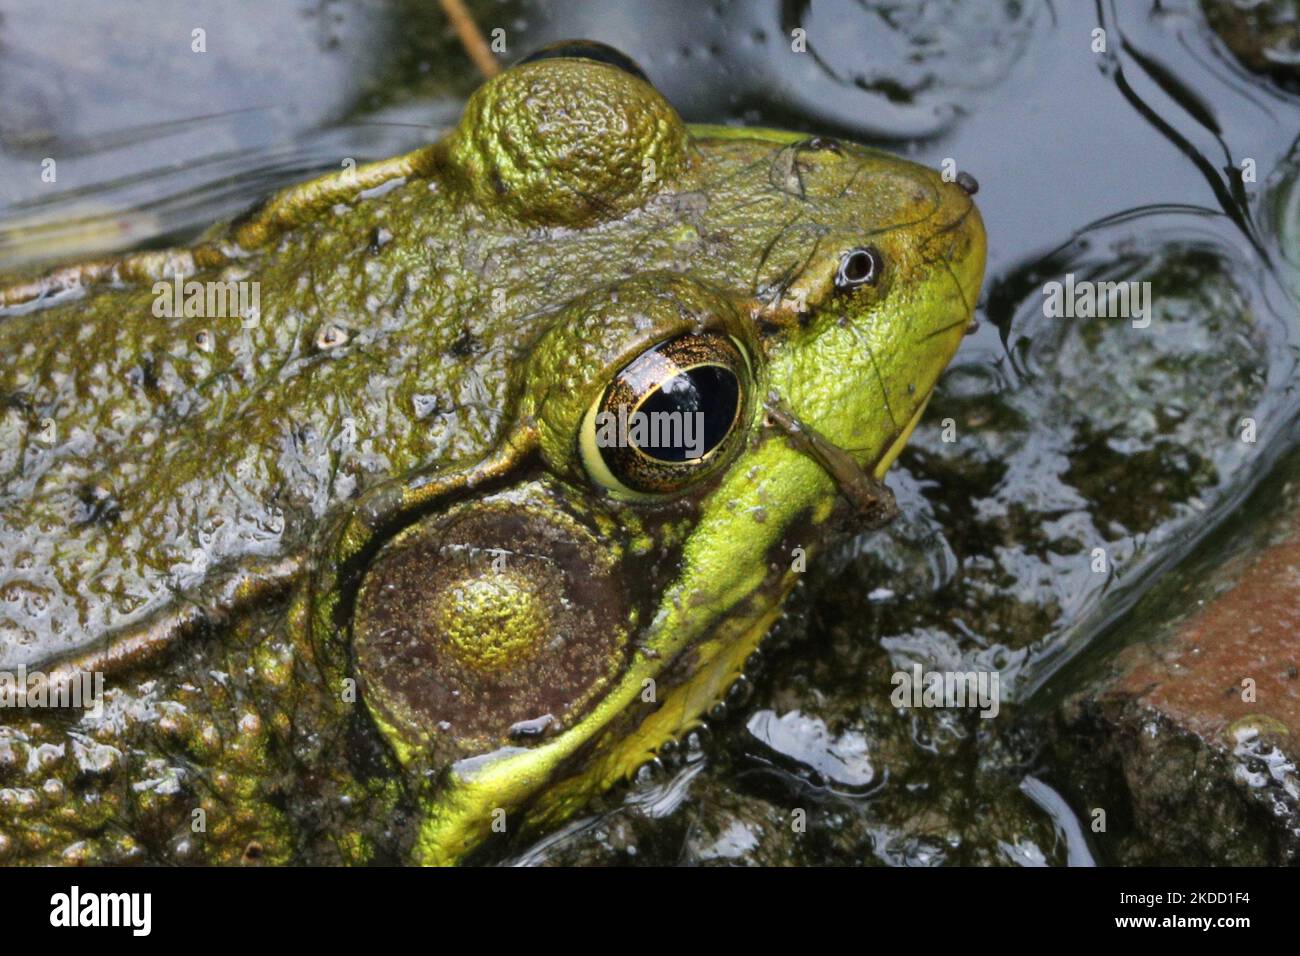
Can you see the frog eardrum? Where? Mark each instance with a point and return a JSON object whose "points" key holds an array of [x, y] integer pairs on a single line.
{"points": [[489, 623]]}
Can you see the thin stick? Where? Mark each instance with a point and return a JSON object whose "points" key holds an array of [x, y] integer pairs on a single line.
{"points": [[470, 38]]}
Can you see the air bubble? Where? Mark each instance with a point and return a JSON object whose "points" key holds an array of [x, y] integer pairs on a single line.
{"points": [[739, 692], [650, 772]]}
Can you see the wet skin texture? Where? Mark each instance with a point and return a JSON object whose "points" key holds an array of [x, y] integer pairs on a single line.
{"points": [[361, 579]]}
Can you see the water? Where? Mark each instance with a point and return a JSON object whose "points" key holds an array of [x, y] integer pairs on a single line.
{"points": [[1049, 438]]}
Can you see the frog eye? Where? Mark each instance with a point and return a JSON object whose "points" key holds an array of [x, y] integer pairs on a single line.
{"points": [[669, 416], [858, 267], [587, 50]]}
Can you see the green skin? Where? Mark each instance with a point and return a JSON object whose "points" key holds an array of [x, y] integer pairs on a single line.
{"points": [[228, 521]]}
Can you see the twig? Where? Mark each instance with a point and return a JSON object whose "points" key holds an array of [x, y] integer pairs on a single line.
{"points": [[470, 38]]}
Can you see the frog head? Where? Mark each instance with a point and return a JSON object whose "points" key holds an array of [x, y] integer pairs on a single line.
{"points": [[742, 327]]}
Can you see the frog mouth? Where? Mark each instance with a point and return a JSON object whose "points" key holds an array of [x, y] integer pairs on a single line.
{"points": [[722, 662], [893, 451]]}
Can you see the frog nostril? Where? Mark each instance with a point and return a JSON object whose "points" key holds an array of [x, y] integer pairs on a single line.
{"points": [[861, 266], [968, 183]]}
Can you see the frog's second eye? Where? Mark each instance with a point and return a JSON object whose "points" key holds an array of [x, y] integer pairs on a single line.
{"points": [[588, 50], [859, 267], [668, 417]]}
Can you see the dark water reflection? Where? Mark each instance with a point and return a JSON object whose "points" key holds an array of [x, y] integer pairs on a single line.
{"points": [[1068, 435]]}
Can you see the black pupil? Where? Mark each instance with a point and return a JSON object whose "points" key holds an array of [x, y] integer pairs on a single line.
{"points": [[709, 395], [859, 267]]}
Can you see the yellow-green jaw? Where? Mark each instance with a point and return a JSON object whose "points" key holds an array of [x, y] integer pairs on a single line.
{"points": [[529, 629]]}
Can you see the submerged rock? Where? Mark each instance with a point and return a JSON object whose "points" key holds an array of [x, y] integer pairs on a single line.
{"points": [[1188, 742]]}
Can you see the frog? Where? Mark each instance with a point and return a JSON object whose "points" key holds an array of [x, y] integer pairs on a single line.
{"points": [[432, 499]]}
